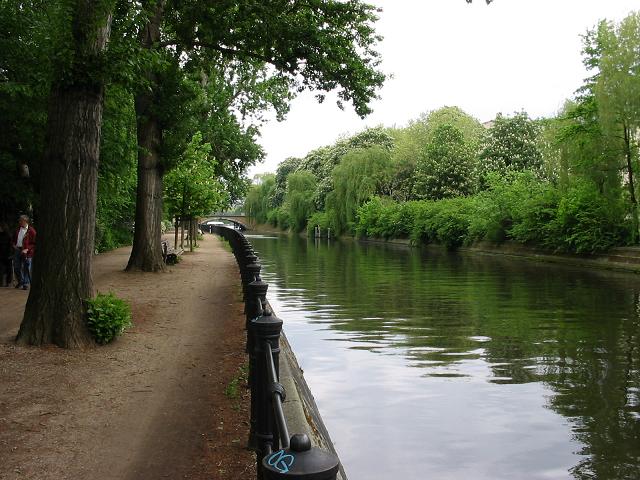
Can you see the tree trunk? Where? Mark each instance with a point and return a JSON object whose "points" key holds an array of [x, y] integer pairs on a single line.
{"points": [[175, 235], [632, 190], [191, 239], [146, 254], [62, 278]]}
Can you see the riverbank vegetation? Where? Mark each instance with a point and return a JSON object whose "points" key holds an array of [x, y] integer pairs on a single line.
{"points": [[566, 183]]}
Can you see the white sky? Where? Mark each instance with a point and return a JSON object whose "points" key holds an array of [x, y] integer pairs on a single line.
{"points": [[503, 57]]}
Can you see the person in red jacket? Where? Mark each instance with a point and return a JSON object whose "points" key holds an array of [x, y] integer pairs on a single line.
{"points": [[24, 243]]}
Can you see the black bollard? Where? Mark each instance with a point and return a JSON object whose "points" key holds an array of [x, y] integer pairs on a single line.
{"points": [[249, 271], [256, 298], [300, 461], [265, 333]]}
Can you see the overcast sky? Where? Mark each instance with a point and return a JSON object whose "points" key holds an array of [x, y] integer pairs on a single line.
{"points": [[503, 57]]}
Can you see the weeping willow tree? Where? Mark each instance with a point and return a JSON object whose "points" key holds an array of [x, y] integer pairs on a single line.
{"points": [[299, 203], [259, 199], [361, 175]]}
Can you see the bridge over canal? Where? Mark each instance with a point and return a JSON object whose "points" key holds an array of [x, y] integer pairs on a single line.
{"points": [[237, 219]]}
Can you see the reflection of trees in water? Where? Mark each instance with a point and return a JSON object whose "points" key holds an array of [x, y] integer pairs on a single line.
{"points": [[597, 389], [576, 331]]}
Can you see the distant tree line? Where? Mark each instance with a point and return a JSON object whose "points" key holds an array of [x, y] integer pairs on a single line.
{"points": [[566, 183]]}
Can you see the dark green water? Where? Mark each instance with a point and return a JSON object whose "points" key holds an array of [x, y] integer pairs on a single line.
{"points": [[427, 365]]}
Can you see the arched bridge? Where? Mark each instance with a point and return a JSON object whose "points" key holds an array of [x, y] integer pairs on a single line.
{"points": [[237, 220]]}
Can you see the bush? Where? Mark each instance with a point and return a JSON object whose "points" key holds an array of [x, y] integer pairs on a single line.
{"points": [[272, 217], [588, 222], [383, 218], [107, 317], [517, 206], [369, 218], [283, 220], [111, 237]]}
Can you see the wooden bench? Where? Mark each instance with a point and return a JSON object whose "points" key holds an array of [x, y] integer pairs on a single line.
{"points": [[169, 254]]}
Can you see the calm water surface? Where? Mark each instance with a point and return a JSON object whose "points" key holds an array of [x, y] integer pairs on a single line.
{"points": [[439, 366]]}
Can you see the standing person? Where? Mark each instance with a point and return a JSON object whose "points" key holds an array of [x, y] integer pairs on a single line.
{"points": [[6, 252], [24, 242]]}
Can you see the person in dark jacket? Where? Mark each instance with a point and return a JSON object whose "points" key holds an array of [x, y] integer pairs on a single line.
{"points": [[6, 254], [24, 243]]}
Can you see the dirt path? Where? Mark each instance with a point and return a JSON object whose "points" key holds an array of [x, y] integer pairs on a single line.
{"points": [[151, 405]]}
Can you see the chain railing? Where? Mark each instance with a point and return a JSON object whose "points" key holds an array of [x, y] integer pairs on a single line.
{"points": [[278, 455]]}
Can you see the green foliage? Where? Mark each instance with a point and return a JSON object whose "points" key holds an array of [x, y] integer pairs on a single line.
{"points": [[511, 145], [472, 131], [26, 72], [383, 218], [361, 174], [410, 144], [240, 380], [192, 188], [259, 200], [322, 220], [612, 50], [109, 237], [519, 208], [286, 168], [445, 222], [272, 217], [322, 161], [586, 222], [299, 204], [445, 170], [117, 172], [283, 220], [309, 46], [107, 317]]}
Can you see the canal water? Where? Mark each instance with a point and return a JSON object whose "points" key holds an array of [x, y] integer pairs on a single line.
{"points": [[430, 365]]}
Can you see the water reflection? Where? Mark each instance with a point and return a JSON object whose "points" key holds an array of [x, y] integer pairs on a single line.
{"points": [[453, 366]]}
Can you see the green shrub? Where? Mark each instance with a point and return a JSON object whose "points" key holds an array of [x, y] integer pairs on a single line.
{"points": [[517, 206], [490, 220], [107, 317], [383, 218], [111, 237], [588, 222], [272, 217], [368, 218], [283, 218]]}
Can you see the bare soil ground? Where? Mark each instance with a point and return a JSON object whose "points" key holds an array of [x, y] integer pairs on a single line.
{"points": [[153, 404]]}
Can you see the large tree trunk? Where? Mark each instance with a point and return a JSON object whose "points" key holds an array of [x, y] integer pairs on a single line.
{"points": [[62, 281], [146, 254]]}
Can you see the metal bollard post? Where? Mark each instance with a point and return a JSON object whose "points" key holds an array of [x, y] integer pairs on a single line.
{"points": [[265, 333], [256, 298], [250, 271], [244, 258], [299, 462]]}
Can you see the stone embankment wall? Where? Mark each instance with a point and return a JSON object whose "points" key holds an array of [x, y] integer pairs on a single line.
{"points": [[620, 258], [625, 259]]}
